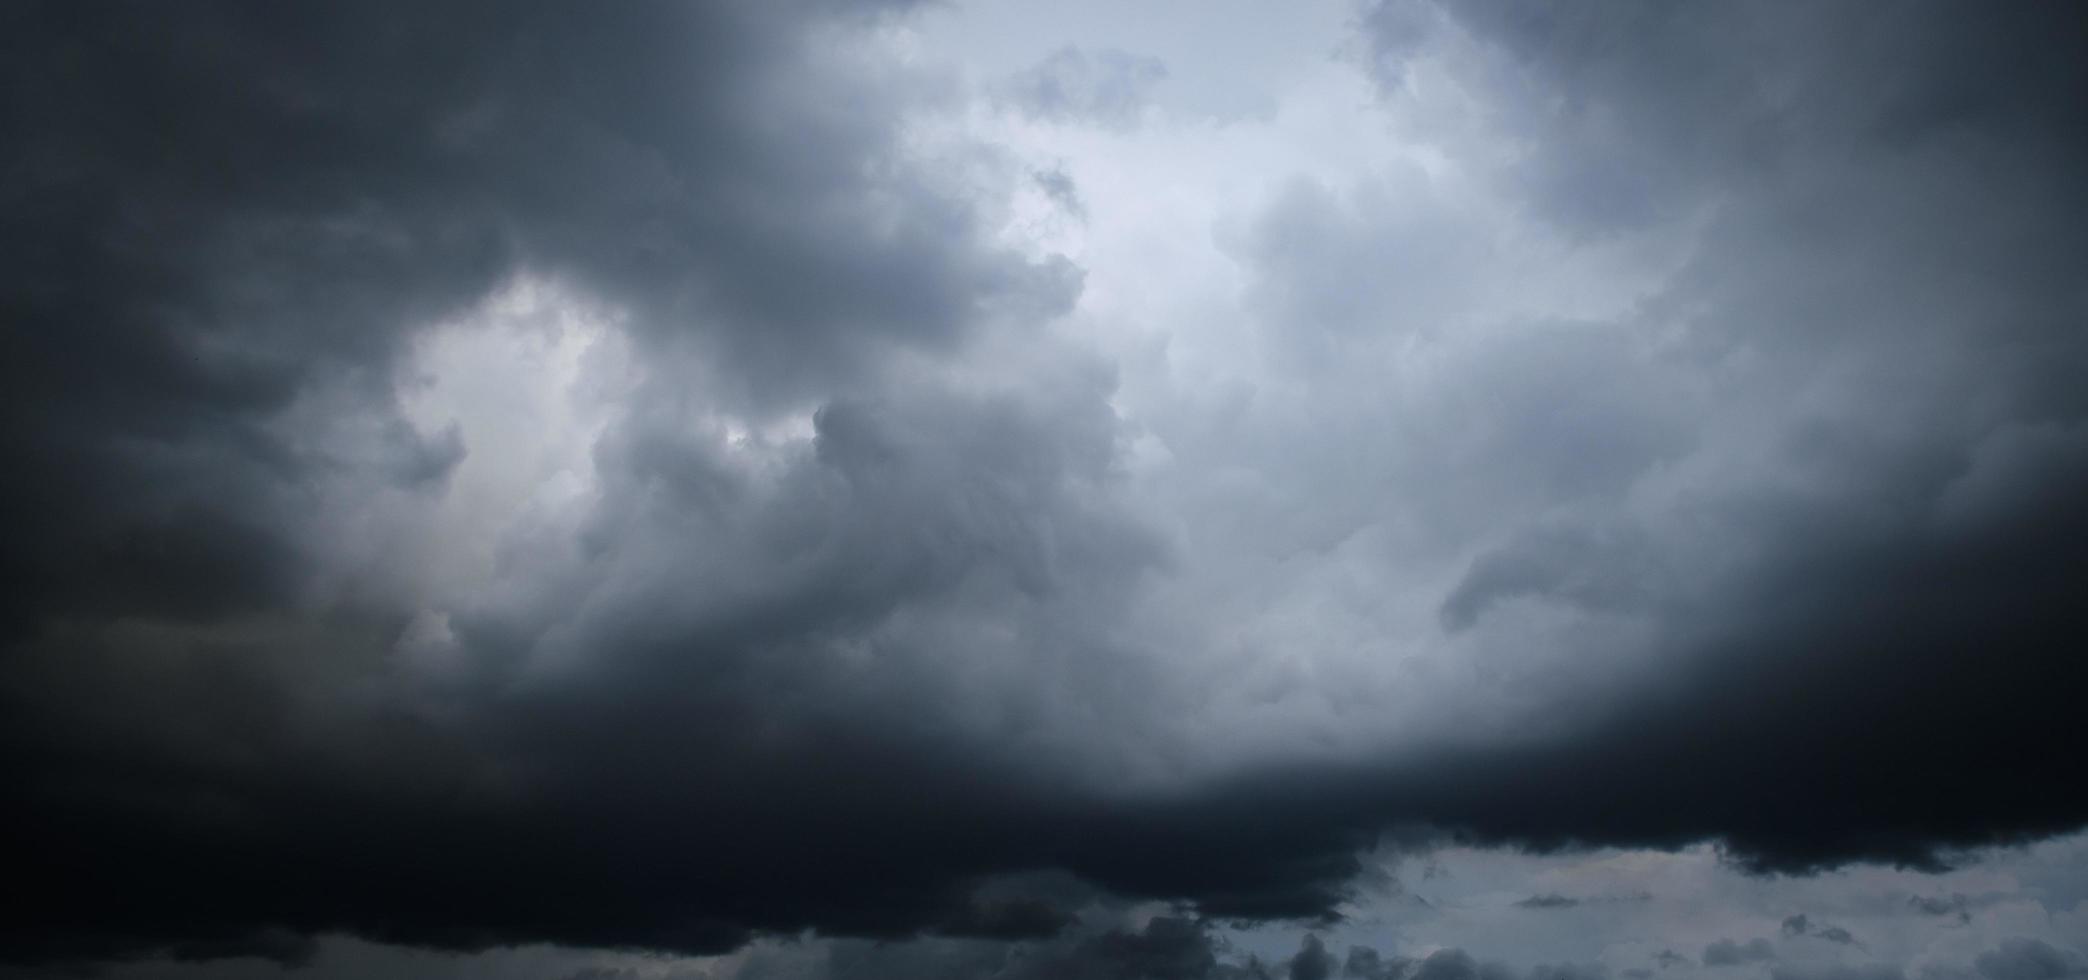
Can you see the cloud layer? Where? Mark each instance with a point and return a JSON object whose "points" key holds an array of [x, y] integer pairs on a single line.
{"points": [[649, 478]]}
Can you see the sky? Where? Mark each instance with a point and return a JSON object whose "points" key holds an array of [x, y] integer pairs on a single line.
{"points": [[983, 490]]}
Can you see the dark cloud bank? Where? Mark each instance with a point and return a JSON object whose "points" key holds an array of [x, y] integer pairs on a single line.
{"points": [[1170, 948], [214, 213]]}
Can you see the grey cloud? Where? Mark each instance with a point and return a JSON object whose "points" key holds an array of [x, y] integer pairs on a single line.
{"points": [[1456, 964], [1103, 85], [1793, 552], [2028, 959], [1620, 152], [850, 582], [1552, 900], [1368, 964], [1567, 971], [1164, 948], [1312, 961], [1384, 258], [1876, 971], [217, 210], [1448, 964], [226, 222], [1168, 948], [1800, 925], [1955, 905], [1727, 952], [1598, 569], [1062, 191], [421, 460], [1829, 473], [1371, 295]]}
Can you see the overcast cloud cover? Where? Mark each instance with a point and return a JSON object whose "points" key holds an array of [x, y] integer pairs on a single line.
{"points": [[1404, 490]]}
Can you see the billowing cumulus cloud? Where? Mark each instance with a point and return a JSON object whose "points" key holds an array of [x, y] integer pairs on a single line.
{"points": [[748, 483]]}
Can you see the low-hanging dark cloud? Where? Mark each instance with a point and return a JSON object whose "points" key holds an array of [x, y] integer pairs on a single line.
{"points": [[217, 212], [1898, 556], [736, 702]]}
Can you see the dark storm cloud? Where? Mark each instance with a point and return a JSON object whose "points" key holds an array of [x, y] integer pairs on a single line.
{"points": [[218, 207], [739, 701], [1635, 112], [212, 210], [1165, 948], [215, 212], [1551, 900], [739, 752], [1835, 604], [1171, 948], [700, 716], [1866, 613]]}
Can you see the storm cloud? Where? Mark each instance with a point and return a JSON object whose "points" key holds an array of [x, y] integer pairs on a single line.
{"points": [[652, 478]]}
